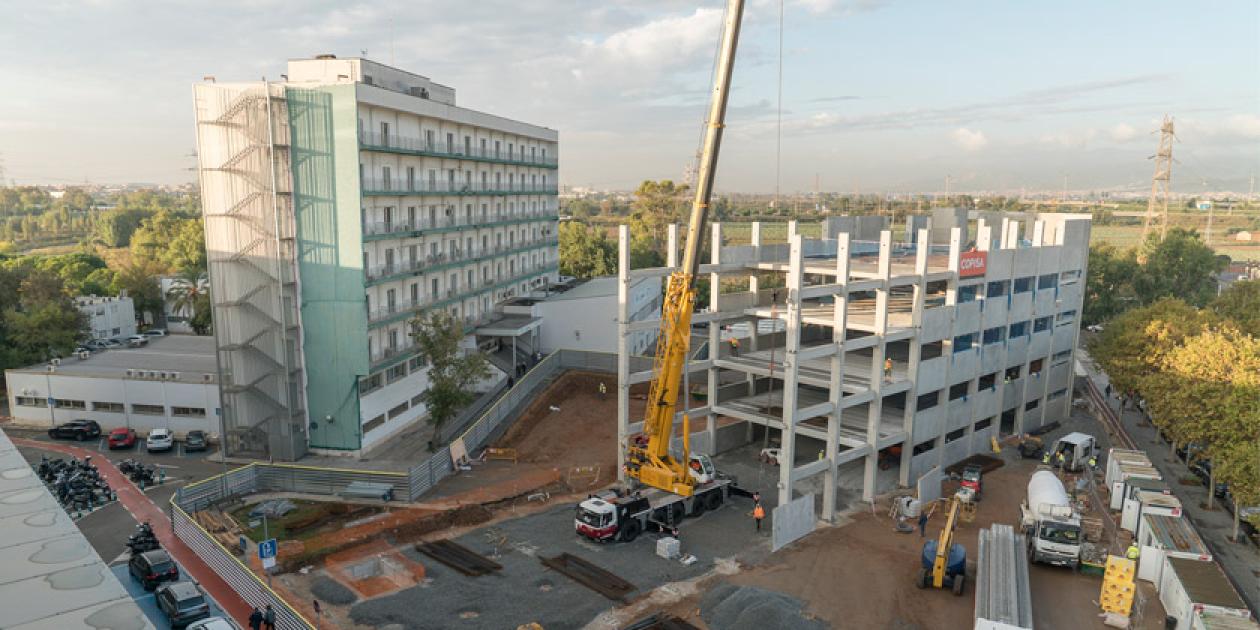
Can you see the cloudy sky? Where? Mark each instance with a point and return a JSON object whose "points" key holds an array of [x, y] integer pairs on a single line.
{"points": [[877, 95]]}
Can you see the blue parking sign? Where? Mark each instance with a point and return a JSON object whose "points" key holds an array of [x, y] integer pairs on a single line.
{"points": [[267, 549]]}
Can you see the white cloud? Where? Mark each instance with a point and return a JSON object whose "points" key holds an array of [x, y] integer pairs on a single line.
{"points": [[969, 140], [1244, 125], [1123, 132]]}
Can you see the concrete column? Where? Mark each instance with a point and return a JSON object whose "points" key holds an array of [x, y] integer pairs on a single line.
{"points": [[623, 347], [835, 390], [671, 250], [791, 230], [916, 350], [951, 301], [754, 285], [715, 334], [877, 366], [787, 461]]}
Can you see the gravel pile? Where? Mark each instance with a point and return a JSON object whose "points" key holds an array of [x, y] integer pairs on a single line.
{"points": [[733, 607], [326, 589]]}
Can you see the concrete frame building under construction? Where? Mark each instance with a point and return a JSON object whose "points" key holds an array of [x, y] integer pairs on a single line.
{"points": [[977, 317]]}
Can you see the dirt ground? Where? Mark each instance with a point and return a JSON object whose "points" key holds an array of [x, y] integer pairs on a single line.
{"points": [[861, 574], [582, 433]]}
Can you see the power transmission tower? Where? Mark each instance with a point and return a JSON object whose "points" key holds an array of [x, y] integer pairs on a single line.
{"points": [[1161, 181]]}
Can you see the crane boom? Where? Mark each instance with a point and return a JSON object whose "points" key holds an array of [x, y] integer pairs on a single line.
{"points": [[652, 464]]}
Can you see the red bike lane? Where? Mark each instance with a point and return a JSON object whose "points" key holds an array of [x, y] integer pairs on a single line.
{"points": [[143, 509]]}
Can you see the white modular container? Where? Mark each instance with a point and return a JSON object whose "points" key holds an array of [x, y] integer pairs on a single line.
{"points": [[1118, 456], [1189, 586], [1162, 536]]}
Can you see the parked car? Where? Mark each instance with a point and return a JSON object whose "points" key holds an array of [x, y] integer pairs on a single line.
{"points": [[213, 623], [94, 344], [112, 343], [182, 603], [196, 441], [76, 430], [151, 568], [1203, 470], [1248, 517], [159, 440], [154, 332], [136, 341], [83, 348], [122, 437]]}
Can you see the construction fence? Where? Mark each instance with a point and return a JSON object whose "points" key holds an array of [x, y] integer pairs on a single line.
{"points": [[408, 486]]}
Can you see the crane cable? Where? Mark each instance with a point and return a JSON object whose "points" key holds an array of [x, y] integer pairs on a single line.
{"points": [[778, 130]]}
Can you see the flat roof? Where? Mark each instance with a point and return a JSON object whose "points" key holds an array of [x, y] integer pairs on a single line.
{"points": [[1175, 533], [50, 577], [603, 286], [190, 355], [1206, 583]]}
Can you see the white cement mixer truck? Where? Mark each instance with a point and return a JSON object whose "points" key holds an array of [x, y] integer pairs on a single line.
{"points": [[1051, 523]]}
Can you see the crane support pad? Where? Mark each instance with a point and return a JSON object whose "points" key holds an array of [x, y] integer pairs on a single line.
{"points": [[459, 557], [599, 580]]}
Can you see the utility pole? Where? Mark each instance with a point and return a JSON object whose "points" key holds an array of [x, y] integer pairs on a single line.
{"points": [[1161, 180]]}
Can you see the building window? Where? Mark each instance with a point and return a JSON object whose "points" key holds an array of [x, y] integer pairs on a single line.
{"points": [[996, 289], [188, 412], [1012, 373], [963, 343], [988, 381], [29, 401], [1023, 285], [1041, 323], [924, 447], [1056, 395], [1066, 317], [1032, 404], [955, 435], [148, 410], [373, 423], [396, 373], [369, 384], [109, 407], [984, 424], [399, 410], [1048, 281], [958, 390], [417, 400], [1019, 329], [416, 363], [929, 400], [62, 403], [993, 335]]}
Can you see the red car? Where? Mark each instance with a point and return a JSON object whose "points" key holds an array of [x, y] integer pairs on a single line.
{"points": [[122, 437]]}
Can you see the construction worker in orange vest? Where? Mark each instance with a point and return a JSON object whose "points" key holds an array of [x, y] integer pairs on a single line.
{"points": [[758, 513], [888, 370], [734, 347]]}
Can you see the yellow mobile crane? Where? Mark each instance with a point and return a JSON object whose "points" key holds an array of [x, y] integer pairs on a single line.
{"points": [[652, 464], [686, 485]]}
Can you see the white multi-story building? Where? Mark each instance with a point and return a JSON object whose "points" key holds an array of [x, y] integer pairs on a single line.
{"points": [[108, 317], [912, 352], [339, 204]]}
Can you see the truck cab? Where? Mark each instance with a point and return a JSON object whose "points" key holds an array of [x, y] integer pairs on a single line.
{"points": [[1056, 540], [605, 517], [701, 469]]}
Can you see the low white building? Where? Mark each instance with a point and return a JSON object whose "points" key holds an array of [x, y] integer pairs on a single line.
{"points": [[171, 383], [582, 315], [108, 317]]}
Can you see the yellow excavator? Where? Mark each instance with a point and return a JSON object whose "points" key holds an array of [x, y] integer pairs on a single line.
{"points": [[651, 463]]}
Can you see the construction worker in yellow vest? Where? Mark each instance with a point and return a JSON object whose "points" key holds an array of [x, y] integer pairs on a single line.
{"points": [[1060, 458], [603, 389], [1045, 458], [1132, 552], [734, 347]]}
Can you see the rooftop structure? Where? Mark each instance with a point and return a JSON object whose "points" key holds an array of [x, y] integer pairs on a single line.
{"points": [[916, 350], [340, 204], [52, 578], [171, 383]]}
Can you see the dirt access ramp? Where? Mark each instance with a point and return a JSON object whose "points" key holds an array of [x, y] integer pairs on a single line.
{"points": [[571, 425]]}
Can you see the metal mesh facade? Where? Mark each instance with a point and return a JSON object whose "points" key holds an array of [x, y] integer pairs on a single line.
{"points": [[243, 164]]}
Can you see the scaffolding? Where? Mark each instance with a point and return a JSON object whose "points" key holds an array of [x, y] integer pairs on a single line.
{"points": [[243, 166]]}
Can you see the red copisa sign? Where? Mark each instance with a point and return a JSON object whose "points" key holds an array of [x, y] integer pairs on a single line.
{"points": [[972, 264]]}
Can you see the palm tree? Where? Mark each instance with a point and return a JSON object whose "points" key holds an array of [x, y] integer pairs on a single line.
{"points": [[189, 296]]}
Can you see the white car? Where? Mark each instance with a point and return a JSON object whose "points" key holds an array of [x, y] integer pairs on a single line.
{"points": [[154, 332], [159, 440], [135, 341]]}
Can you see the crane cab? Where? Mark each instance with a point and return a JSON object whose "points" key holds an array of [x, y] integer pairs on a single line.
{"points": [[701, 469]]}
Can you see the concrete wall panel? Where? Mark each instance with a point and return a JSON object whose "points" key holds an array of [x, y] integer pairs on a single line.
{"points": [[792, 521]]}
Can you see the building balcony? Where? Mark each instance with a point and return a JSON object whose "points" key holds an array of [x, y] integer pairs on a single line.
{"points": [[398, 229], [399, 187], [403, 145], [437, 262], [410, 308]]}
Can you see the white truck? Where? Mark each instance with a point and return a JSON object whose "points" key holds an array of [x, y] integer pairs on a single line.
{"points": [[1077, 448], [1051, 522], [621, 515]]}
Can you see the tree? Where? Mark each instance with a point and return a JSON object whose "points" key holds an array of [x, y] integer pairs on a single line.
{"points": [[1109, 282], [188, 296], [38, 321], [1180, 265], [139, 281], [586, 252], [188, 247], [1133, 346], [1240, 303], [115, 228], [656, 205], [452, 371]]}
